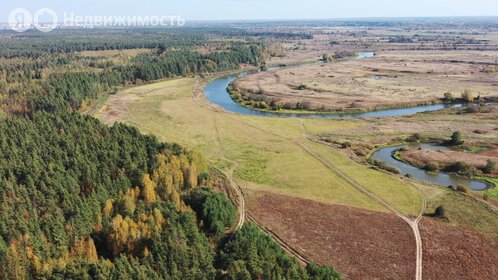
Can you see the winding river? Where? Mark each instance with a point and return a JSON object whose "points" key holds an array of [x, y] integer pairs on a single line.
{"points": [[439, 178], [216, 92]]}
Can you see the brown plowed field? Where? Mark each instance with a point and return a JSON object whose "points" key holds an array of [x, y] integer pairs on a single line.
{"points": [[364, 244], [360, 244], [454, 253]]}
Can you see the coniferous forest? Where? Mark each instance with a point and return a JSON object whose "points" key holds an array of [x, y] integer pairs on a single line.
{"points": [[81, 200]]}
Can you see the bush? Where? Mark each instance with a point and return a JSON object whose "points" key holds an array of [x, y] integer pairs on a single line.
{"points": [[448, 97], [360, 152], [384, 166], [203, 178], [456, 138], [462, 188], [432, 166], [346, 145], [467, 95], [416, 137], [463, 169], [263, 105], [440, 212], [490, 167], [478, 131]]}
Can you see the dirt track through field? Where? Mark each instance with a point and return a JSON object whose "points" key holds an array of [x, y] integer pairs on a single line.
{"points": [[241, 202], [413, 223]]}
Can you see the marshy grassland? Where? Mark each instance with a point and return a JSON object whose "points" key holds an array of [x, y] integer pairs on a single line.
{"points": [[266, 148]]}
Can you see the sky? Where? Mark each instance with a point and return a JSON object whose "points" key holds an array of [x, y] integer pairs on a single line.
{"points": [[259, 9]]}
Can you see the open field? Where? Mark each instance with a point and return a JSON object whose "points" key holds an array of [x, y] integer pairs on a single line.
{"points": [[439, 125], [345, 237], [361, 244], [391, 79], [465, 212], [460, 253], [264, 147], [420, 38]]}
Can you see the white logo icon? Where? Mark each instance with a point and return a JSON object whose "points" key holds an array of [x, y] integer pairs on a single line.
{"points": [[20, 20], [45, 26]]}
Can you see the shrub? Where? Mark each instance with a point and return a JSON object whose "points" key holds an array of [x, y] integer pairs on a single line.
{"points": [[448, 97], [306, 105], [360, 152], [263, 105], [384, 166], [439, 212], [346, 145], [463, 169], [456, 138], [490, 167], [432, 166], [416, 137], [467, 95], [462, 188]]}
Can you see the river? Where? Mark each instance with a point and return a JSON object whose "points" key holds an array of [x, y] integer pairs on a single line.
{"points": [[217, 93], [439, 178]]}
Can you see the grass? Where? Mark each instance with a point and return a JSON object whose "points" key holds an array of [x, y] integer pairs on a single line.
{"points": [[395, 191], [268, 157], [492, 193], [463, 210], [476, 149]]}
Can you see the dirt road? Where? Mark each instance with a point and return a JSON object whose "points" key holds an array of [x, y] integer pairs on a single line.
{"points": [[413, 223]]}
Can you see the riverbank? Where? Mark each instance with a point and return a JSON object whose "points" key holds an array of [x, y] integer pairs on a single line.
{"points": [[353, 86], [243, 99]]}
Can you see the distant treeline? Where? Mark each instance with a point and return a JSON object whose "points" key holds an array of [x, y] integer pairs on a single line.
{"points": [[33, 44], [48, 74], [280, 35]]}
